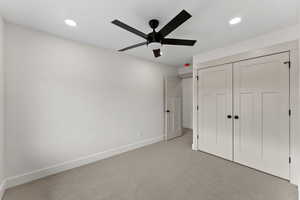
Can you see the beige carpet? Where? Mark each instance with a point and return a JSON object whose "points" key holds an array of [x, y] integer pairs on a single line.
{"points": [[163, 171]]}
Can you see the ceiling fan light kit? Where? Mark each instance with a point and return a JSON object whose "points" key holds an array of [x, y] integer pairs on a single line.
{"points": [[154, 45], [155, 40]]}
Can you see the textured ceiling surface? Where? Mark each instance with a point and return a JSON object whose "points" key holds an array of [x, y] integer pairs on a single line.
{"points": [[209, 24]]}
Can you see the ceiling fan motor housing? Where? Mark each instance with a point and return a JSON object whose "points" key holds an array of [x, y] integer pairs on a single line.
{"points": [[153, 37], [153, 23]]}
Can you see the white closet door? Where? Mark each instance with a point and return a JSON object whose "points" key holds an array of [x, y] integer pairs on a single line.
{"points": [[261, 102], [173, 95], [215, 110]]}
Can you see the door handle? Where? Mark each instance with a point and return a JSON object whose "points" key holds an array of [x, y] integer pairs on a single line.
{"points": [[236, 117], [167, 111], [229, 116]]}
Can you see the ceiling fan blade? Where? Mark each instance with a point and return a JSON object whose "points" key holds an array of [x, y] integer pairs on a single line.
{"points": [[169, 41], [133, 46], [174, 23], [129, 28], [156, 53]]}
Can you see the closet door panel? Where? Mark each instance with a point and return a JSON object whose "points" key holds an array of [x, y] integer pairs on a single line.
{"points": [[261, 102], [215, 104]]}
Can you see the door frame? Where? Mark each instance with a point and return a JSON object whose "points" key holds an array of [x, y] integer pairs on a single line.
{"points": [[293, 48]]}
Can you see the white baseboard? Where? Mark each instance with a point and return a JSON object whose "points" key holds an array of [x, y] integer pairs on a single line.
{"points": [[194, 147], [37, 174], [2, 188]]}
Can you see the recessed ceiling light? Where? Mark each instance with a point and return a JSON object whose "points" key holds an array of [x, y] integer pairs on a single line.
{"points": [[235, 20], [70, 22]]}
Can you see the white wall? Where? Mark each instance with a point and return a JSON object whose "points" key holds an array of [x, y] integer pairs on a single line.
{"points": [[66, 100], [1, 110], [266, 40], [185, 72], [297, 160], [187, 103]]}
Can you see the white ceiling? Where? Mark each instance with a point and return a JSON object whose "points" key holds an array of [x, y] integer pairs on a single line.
{"points": [[209, 24]]}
